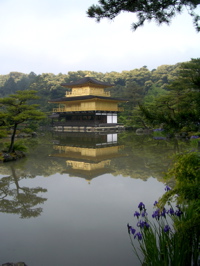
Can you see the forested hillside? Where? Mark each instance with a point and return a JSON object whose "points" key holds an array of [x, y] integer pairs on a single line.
{"points": [[138, 86]]}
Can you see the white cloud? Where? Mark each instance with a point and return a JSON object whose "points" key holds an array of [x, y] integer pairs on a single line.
{"points": [[57, 36]]}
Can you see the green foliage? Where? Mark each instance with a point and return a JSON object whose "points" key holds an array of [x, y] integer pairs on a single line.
{"points": [[3, 133], [195, 140], [160, 11], [48, 85], [16, 109], [179, 109], [154, 93], [186, 172], [171, 239], [134, 118], [164, 75], [186, 167], [139, 86], [175, 236], [28, 130], [18, 146], [158, 133]]}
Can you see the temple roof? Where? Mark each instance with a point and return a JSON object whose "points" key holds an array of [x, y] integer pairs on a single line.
{"points": [[70, 155], [88, 175], [87, 81], [86, 97]]}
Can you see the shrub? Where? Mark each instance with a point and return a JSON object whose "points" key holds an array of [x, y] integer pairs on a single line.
{"points": [[18, 146], [172, 238]]}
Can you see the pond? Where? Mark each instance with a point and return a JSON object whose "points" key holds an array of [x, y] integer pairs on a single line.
{"points": [[69, 201]]}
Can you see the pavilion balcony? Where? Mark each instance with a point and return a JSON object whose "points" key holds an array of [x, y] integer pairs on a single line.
{"points": [[79, 109], [72, 94]]}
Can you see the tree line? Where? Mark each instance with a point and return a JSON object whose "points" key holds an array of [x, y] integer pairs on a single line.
{"points": [[155, 99], [134, 85]]}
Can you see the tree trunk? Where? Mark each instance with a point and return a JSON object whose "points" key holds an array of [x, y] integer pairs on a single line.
{"points": [[15, 179], [12, 139]]}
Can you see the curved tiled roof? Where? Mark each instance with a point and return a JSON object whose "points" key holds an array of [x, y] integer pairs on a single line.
{"points": [[86, 97], [87, 81]]}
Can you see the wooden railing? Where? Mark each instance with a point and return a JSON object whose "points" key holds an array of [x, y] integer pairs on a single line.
{"points": [[70, 94], [86, 123], [74, 123], [78, 109]]}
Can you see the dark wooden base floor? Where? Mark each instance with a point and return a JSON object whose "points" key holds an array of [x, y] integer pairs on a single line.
{"points": [[99, 128]]}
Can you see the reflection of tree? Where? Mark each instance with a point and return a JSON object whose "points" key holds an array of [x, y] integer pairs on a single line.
{"points": [[142, 156], [40, 148], [19, 200], [146, 155]]}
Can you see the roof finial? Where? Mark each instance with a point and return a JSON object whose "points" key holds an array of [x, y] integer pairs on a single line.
{"points": [[88, 74]]}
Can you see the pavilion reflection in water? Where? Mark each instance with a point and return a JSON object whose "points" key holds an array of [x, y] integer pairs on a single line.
{"points": [[87, 155]]}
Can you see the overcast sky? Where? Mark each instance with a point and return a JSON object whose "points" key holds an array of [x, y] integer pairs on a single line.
{"points": [[56, 36]]}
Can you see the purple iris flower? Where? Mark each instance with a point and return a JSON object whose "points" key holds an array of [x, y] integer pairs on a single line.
{"points": [[163, 213], [144, 213], [158, 129], [167, 188], [137, 214], [131, 229], [146, 225], [155, 203], [178, 213], [156, 214], [171, 211], [194, 137], [166, 228], [141, 206], [143, 224], [140, 224], [138, 236], [159, 138]]}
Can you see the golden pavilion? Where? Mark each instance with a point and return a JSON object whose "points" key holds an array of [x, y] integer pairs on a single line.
{"points": [[86, 108]]}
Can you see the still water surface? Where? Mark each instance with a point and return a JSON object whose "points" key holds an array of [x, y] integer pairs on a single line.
{"points": [[69, 201]]}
